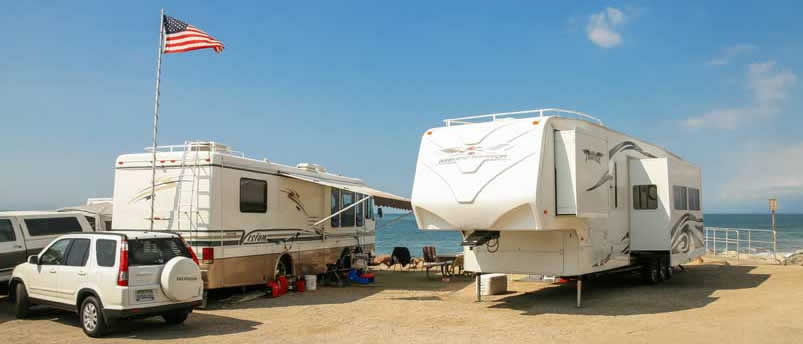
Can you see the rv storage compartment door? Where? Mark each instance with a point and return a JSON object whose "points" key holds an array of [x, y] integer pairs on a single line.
{"points": [[581, 174]]}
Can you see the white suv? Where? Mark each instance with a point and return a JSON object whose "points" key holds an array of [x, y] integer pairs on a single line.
{"points": [[107, 276]]}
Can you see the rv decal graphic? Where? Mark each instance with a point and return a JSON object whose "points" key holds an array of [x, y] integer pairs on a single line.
{"points": [[295, 197], [687, 234], [628, 145], [264, 236], [621, 147], [592, 155], [626, 238], [164, 183], [606, 177], [474, 152]]}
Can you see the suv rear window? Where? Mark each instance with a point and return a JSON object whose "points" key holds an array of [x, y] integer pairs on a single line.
{"points": [[53, 225], [155, 251]]}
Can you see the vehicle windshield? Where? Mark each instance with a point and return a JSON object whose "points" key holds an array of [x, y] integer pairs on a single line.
{"points": [[155, 251]]}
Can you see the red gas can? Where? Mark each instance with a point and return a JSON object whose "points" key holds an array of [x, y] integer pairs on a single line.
{"points": [[273, 289], [301, 285], [282, 284]]}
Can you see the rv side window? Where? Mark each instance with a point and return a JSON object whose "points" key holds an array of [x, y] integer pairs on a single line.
{"points": [[347, 217], [253, 196], [369, 208], [53, 226], [680, 197], [694, 199], [360, 219], [7, 231], [645, 197], [335, 201]]}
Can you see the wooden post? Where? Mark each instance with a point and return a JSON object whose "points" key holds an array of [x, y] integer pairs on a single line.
{"points": [[477, 284]]}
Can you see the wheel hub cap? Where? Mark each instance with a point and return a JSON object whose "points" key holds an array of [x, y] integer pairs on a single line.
{"points": [[90, 316]]}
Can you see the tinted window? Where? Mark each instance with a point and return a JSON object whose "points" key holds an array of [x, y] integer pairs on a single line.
{"points": [[53, 226], [360, 219], [335, 203], [645, 197], [79, 252], [694, 199], [105, 252], [55, 254], [91, 221], [7, 231], [253, 196], [155, 251], [347, 217], [680, 197]]}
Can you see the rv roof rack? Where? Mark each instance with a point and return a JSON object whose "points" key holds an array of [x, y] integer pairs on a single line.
{"points": [[201, 146], [494, 116]]}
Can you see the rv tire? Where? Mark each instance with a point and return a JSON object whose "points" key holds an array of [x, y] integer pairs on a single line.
{"points": [[651, 273], [670, 271]]}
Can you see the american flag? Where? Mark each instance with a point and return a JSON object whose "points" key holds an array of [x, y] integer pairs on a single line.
{"points": [[181, 37]]}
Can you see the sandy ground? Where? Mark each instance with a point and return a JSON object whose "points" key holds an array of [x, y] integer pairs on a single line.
{"points": [[709, 303]]}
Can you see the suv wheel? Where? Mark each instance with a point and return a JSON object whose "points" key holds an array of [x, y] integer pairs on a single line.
{"points": [[176, 317], [22, 306], [91, 316]]}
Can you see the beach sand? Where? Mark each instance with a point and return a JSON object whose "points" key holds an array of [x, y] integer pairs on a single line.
{"points": [[713, 302]]}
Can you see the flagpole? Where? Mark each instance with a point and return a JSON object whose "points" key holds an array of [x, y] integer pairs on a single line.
{"points": [[156, 113]]}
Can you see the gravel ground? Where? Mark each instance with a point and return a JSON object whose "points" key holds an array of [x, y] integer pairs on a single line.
{"points": [[710, 302]]}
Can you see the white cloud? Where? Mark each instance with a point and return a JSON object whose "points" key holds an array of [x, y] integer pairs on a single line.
{"points": [[730, 52], [768, 89], [602, 27]]}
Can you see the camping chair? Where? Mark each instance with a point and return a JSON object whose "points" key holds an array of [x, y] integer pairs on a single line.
{"points": [[431, 261], [401, 256]]}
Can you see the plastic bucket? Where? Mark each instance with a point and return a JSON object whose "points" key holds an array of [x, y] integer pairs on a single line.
{"points": [[311, 282]]}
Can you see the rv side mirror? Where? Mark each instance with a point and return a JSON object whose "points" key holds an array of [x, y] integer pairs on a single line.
{"points": [[379, 212], [33, 260]]}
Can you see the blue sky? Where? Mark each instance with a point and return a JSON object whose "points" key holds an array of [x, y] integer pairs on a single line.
{"points": [[353, 85]]}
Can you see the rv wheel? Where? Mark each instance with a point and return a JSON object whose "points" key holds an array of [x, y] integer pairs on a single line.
{"points": [[669, 272], [651, 274]]}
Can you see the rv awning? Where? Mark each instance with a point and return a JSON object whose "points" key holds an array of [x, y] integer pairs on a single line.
{"points": [[381, 198]]}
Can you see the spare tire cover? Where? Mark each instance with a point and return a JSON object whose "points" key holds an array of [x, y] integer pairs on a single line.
{"points": [[181, 279]]}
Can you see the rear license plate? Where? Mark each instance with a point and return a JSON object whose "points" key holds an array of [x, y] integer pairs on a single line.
{"points": [[145, 295]]}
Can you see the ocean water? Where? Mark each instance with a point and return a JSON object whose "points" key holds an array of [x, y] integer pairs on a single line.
{"points": [[405, 232]]}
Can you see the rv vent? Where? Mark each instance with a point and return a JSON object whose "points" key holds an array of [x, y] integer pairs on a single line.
{"points": [[311, 167]]}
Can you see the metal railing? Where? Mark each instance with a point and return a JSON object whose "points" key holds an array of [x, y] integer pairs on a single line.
{"points": [[495, 116], [735, 242], [200, 146]]}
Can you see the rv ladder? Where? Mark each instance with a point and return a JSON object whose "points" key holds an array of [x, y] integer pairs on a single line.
{"points": [[187, 197]]}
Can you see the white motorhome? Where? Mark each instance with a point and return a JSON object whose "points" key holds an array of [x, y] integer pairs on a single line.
{"points": [[248, 220], [552, 194]]}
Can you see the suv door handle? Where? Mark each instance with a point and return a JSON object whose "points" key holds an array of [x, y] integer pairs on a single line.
{"points": [[17, 246], [81, 273], [52, 271]]}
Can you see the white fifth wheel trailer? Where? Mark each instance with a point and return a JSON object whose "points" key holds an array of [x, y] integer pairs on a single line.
{"points": [[552, 194], [248, 220]]}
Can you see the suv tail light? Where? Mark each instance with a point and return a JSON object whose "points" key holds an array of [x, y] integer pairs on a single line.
{"points": [[208, 255], [189, 248], [122, 272]]}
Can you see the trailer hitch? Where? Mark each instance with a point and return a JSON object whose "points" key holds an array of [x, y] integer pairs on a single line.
{"points": [[479, 238]]}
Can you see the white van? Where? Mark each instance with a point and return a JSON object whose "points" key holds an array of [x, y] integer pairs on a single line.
{"points": [[25, 233]]}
